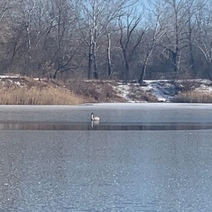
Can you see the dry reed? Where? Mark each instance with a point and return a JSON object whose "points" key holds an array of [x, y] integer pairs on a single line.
{"points": [[194, 97], [49, 95]]}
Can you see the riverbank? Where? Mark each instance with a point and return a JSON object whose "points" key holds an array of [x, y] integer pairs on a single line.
{"points": [[20, 90]]}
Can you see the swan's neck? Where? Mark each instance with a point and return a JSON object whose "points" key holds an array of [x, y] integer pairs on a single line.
{"points": [[92, 117]]}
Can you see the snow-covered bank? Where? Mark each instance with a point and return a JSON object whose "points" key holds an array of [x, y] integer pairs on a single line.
{"points": [[161, 90]]}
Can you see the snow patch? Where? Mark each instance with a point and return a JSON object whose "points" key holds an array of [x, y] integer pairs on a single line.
{"points": [[10, 76], [123, 91], [163, 90]]}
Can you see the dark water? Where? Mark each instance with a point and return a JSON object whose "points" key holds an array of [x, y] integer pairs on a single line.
{"points": [[104, 126], [106, 167]]}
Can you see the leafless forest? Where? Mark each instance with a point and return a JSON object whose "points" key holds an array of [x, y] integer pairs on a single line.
{"points": [[112, 39]]}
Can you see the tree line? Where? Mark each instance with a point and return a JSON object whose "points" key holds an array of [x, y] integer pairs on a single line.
{"points": [[113, 39]]}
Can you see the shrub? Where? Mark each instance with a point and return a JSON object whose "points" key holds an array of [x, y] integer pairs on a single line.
{"points": [[95, 90]]}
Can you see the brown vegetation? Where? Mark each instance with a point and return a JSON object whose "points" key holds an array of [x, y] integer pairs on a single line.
{"points": [[98, 91], [27, 91], [191, 92], [38, 96], [193, 97]]}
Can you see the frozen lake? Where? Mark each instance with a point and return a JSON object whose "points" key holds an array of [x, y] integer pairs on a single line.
{"points": [[140, 157]]}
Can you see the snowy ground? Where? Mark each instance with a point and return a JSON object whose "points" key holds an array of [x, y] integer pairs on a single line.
{"points": [[162, 90]]}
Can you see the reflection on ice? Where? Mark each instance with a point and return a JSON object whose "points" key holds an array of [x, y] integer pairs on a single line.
{"points": [[96, 125]]}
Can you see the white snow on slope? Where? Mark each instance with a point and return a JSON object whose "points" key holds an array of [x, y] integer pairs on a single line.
{"points": [[15, 76], [124, 91], [163, 90]]}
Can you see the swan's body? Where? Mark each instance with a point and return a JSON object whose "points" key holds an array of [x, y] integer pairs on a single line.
{"points": [[94, 118]]}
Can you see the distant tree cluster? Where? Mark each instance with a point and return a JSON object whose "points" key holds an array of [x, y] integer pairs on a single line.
{"points": [[113, 39]]}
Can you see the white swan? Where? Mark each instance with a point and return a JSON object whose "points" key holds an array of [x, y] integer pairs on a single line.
{"points": [[94, 118]]}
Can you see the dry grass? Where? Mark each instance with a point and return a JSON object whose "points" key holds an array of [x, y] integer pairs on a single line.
{"points": [[27, 91], [186, 85], [43, 95], [95, 90], [193, 97]]}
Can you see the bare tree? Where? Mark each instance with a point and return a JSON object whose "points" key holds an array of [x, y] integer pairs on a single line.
{"points": [[203, 40], [91, 29], [44, 35], [98, 38], [190, 34], [97, 15], [109, 61], [174, 40], [115, 12], [154, 34], [130, 38], [4, 21], [27, 30], [67, 42], [5, 32]]}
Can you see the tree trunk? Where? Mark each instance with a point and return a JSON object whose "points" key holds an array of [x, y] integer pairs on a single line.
{"points": [[208, 71], [143, 72], [126, 69], [90, 56], [54, 76], [144, 67], [94, 50], [109, 63], [193, 70], [95, 62], [191, 53], [174, 58]]}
